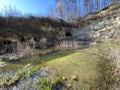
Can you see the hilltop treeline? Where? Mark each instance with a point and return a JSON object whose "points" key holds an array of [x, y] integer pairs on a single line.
{"points": [[68, 9]]}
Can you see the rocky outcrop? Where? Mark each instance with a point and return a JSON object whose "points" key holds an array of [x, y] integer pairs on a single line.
{"points": [[103, 24], [36, 27]]}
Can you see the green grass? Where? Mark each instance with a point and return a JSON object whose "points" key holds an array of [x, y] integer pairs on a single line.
{"points": [[82, 64], [36, 60], [86, 64], [41, 83]]}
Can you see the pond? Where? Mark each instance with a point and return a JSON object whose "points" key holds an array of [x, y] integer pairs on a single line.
{"points": [[7, 66], [10, 68]]}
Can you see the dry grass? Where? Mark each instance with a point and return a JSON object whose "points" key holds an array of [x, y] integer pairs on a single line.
{"points": [[92, 67], [113, 68], [109, 77], [82, 64], [96, 67], [36, 60]]}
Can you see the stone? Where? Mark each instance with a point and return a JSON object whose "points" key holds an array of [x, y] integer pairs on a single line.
{"points": [[28, 65], [93, 43], [2, 64], [69, 85], [43, 40], [74, 77], [103, 28], [64, 78], [11, 88], [15, 88]]}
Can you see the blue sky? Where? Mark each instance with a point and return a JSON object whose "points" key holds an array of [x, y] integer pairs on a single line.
{"points": [[28, 6]]}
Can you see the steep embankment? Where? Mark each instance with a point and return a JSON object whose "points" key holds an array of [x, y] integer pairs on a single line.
{"points": [[37, 27], [102, 24]]}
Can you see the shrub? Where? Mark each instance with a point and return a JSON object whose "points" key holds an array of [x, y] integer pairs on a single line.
{"points": [[110, 72]]}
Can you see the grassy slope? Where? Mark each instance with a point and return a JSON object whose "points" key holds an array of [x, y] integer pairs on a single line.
{"points": [[82, 64]]}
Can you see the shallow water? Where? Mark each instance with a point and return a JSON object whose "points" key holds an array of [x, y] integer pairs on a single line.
{"points": [[11, 67], [28, 82], [36, 60]]}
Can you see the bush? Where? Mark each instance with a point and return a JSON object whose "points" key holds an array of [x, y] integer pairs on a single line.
{"points": [[110, 72]]}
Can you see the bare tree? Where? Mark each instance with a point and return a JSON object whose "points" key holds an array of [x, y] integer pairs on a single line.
{"points": [[51, 12], [11, 11], [59, 9], [67, 9], [86, 4]]}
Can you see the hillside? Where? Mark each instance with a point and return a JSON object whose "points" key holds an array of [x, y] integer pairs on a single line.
{"points": [[99, 25], [37, 27], [102, 24]]}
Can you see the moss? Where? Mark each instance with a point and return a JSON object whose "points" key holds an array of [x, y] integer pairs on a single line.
{"points": [[82, 63], [36, 60]]}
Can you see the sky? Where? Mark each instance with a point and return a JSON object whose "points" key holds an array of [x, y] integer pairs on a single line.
{"points": [[28, 6]]}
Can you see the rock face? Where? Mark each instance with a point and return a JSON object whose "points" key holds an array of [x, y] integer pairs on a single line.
{"points": [[103, 24], [37, 27]]}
